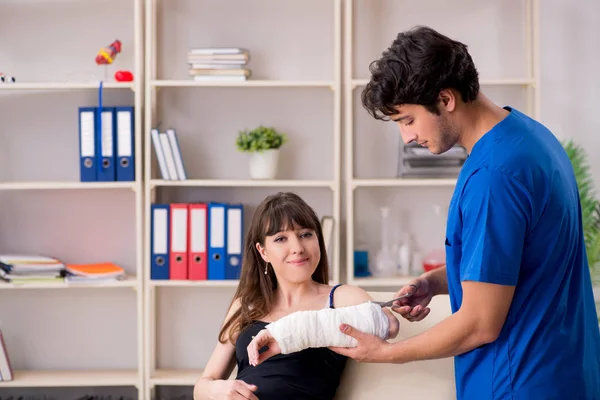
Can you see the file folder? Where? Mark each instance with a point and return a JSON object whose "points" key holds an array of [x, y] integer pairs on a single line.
{"points": [[177, 158], [217, 228], [125, 160], [197, 241], [235, 239], [169, 157], [159, 240], [160, 154], [179, 237], [106, 140], [87, 144]]}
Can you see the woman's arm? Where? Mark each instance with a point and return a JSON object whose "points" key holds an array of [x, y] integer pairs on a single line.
{"points": [[320, 328], [213, 383], [347, 295]]}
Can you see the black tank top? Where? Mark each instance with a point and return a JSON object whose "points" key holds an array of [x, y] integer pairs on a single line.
{"points": [[305, 375]]}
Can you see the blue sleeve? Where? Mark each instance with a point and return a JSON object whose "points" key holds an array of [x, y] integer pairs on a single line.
{"points": [[496, 213]]}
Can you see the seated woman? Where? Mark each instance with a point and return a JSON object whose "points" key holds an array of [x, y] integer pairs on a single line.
{"points": [[284, 277]]}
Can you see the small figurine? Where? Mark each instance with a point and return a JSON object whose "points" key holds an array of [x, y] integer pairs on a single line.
{"points": [[4, 78], [108, 54]]}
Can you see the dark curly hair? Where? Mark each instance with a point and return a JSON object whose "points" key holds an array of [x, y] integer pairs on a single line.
{"points": [[415, 68]]}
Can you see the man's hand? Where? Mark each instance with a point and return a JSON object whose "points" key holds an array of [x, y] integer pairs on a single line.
{"points": [[414, 308], [261, 340], [370, 348]]}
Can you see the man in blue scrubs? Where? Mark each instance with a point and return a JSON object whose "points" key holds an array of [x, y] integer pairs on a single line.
{"points": [[524, 324]]}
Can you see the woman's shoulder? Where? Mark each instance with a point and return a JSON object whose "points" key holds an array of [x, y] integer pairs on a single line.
{"points": [[348, 295]]}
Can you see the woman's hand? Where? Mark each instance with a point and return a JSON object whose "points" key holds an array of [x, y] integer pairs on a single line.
{"points": [[261, 340], [232, 390], [394, 324], [414, 308]]}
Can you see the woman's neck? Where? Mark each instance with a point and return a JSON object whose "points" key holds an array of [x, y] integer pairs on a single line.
{"points": [[293, 295]]}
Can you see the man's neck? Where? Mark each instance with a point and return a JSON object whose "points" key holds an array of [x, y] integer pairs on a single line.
{"points": [[479, 117]]}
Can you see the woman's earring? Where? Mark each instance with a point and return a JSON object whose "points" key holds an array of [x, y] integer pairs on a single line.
{"points": [[266, 267]]}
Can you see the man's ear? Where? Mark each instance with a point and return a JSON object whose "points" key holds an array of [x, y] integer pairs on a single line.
{"points": [[447, 98], [262, 252]]}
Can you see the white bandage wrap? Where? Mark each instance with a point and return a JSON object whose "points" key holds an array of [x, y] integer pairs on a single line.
{"points": [[321, 328]]}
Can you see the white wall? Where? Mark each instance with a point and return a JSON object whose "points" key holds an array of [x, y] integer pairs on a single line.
{"points": [[39, 140]]}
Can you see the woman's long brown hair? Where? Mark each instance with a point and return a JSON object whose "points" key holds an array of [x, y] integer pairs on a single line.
{"points": [[256, 290]]}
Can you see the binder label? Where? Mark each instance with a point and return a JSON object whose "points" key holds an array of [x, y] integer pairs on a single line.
{"points": [[217, 230], [124, 147], [198, 240], [87, 134], [160, 225]]}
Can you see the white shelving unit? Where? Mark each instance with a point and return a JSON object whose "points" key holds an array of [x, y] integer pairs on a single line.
{"points": [[66, 335], [295, 87], [370, 27]]}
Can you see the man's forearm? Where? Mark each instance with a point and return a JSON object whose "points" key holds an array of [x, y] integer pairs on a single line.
{"points": [[455, 335], [438, 281]]}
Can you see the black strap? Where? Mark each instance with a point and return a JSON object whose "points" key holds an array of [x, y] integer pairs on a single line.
{"points": [[331, 295]]}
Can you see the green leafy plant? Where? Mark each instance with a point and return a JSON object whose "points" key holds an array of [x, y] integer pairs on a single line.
{"points": [[260, 139], [590, 206]]}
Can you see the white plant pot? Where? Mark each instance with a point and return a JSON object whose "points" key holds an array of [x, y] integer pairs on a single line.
{"points": [[263, 164]]}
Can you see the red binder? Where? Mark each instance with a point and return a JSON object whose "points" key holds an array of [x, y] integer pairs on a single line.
{"points": [[197, 241], [178, 262]]}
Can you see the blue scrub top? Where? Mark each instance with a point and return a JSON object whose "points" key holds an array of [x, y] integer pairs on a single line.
{"points": [[515, 219]]}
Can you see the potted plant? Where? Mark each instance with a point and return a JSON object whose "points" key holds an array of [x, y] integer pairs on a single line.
{"points": [[263, 144], [590, 207]]}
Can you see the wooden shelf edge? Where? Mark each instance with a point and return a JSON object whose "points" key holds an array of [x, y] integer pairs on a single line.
{"points": [[66, 185], [241, 183], [175, 377], [183, 283], [129, 282], [74, 378]]}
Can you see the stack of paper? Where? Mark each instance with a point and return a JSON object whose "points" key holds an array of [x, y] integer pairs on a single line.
{"points": [[30, 269], [216, 64]]}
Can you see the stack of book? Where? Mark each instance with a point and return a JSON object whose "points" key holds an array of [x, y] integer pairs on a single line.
{"points": [[24, 269], [217, 64]]}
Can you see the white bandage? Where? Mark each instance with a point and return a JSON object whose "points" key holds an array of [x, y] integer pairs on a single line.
{"points": [[321, 328]]}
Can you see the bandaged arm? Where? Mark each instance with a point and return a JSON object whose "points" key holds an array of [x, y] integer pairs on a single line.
{"points": [[320, 328]]}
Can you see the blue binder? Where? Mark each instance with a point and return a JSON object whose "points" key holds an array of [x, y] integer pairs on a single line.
{"points": [[87, 144], [124, 132], [235, 240], [217, 237], [159, 241], [106, 144]]}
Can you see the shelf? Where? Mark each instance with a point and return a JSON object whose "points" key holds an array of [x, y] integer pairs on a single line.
{"points": [[179, 377], [484, 82], [244, 183], [65, 85], [248, 83], [175, 377], [130, 282], [182, 283], [404, 182], [92, 378], [65, 185], [396, 281]]}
